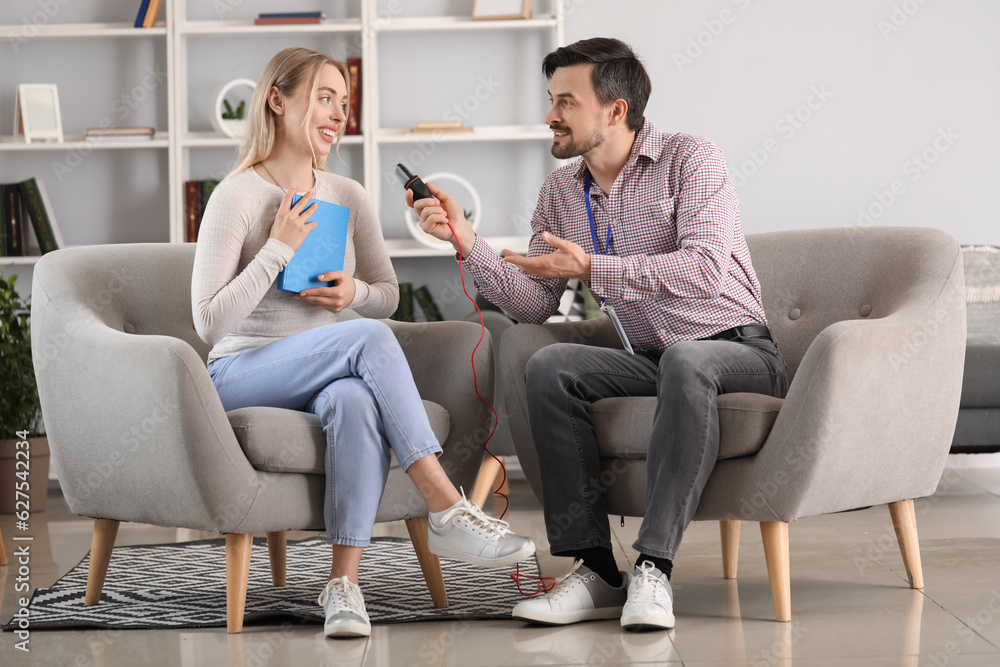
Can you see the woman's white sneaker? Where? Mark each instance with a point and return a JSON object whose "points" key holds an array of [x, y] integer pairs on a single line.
{"points": [[650, 604], [578, 595], [345, 609], [465, 532]]}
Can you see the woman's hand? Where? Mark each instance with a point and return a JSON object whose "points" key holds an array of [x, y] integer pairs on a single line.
{"points": [[335, 298], [435, 214], [291, 225]]}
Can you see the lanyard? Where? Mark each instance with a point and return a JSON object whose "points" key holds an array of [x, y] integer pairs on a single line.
{"points": [[590, 217]]}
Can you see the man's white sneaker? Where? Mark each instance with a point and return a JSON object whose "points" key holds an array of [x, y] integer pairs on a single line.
{"points": [[467, 533], [578, 595], [345, 609], [650, 604]]}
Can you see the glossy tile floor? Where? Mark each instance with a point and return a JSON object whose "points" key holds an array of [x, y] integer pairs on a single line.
{"points": [[850, 603]]}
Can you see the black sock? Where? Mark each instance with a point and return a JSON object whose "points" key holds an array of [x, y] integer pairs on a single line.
{"points": [[664, 565], [602, 562]]}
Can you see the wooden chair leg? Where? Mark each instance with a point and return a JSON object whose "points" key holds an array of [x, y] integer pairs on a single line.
{"points": [[429, 563], [775, 537], [3, 551], [238, 547], [486, 481], [277, 544], [730, 533], [101, 544], [904, 520]]}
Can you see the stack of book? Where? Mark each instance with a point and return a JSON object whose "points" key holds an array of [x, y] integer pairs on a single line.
{"points": [[20, 203], [406, 312], [290, 18], [102, 134], [196, 194], [148, 10]]}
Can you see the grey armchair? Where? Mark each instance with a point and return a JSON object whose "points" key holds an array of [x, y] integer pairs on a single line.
{"points": [[871, 323], [138, 432]]}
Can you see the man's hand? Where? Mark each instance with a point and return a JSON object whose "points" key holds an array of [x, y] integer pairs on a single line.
{"points": [[435, 214], [567, 261], [335, 298]]}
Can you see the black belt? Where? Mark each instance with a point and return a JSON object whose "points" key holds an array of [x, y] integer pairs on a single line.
{"points": [[745, 331]]}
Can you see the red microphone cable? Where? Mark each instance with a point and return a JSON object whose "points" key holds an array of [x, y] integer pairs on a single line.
{"points": [[544, 583]]}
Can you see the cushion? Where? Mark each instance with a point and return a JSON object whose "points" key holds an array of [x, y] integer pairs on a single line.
{"points": [[624, 425], [982, 285], [279, 440], [981, 383]]}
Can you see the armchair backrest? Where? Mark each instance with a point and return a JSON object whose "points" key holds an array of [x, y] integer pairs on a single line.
{"points": [[813, 278], [140, 288]]}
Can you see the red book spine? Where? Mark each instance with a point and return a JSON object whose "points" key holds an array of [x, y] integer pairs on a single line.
{"points": [[192, 208], [354, 115]]}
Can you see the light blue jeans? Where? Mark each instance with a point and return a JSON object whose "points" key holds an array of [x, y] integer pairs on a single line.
{"points": [[354, 377]]}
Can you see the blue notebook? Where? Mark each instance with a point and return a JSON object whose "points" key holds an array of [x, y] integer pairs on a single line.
{"points": [[321, 252]]}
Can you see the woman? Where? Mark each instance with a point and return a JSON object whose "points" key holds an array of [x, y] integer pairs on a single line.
{"points": [[273, 348]]}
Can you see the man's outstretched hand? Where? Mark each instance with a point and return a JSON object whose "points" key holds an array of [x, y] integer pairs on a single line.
{"points": [[568, 260]]}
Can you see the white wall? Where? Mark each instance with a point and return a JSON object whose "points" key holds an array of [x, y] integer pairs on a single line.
{"points": [[894, 82]]}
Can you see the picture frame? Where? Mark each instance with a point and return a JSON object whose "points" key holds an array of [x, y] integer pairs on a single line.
{"points": [[500, 10], [36, 112]]}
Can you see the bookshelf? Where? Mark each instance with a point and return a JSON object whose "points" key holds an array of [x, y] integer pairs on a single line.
{"points": [[203, 49]]}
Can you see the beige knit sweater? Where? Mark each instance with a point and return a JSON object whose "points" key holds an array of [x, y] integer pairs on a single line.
{"points": [[234, 295]]}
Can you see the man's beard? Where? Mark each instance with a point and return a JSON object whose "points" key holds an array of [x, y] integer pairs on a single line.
{"points": [[570, 149]]}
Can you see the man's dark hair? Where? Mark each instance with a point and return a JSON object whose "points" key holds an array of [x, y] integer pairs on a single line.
{"points": [[619, 73]]}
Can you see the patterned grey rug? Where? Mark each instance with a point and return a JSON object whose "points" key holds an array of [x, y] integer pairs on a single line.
{"points": [[982, 286], [184, 586]]}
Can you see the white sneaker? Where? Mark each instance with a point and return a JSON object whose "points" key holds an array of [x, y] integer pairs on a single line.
{"points": [[650, 604], [345, 609], [468, 534], [578, 595]]}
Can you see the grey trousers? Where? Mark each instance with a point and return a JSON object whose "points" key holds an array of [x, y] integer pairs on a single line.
{"points": [[564, 379]]}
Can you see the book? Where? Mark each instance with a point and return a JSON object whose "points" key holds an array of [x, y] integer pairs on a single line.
{"points": [[10, 194], [354, 96], [207, 188], [443, 127], [322, 251], [287, 15], [141, 16], [289, 21], [43, 219], [431, 312], [154, 9], [120, 133], [192, 210], [404, 311]]}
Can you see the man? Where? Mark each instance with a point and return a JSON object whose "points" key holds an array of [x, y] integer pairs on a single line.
{"points": [[650, 221]]}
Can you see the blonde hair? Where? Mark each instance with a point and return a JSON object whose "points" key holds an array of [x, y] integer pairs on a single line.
{"points": [[287, 70]]}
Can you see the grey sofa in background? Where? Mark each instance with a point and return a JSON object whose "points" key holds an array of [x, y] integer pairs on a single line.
{"points": [[978, 428], [872, 325], [138, 432]]}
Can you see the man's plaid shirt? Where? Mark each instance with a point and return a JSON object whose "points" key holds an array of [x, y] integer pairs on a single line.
{"points": [[679, 267]]}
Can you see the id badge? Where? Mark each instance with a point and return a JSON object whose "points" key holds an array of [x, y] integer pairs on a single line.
{"points": [[610, 310]]}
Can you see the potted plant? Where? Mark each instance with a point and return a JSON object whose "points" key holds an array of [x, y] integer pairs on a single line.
{"points": [[234, 119], [20, 411]]}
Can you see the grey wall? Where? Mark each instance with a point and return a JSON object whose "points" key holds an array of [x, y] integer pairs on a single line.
{"points": [[820, 108]]}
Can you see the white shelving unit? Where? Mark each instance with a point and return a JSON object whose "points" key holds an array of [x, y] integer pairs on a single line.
{"points": [[97, 31], [181, 142]]}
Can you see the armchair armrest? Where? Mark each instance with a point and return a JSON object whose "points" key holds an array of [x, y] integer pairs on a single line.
{"points": [[148, 439], [440, 355], [517, 346], [868, 418]]}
